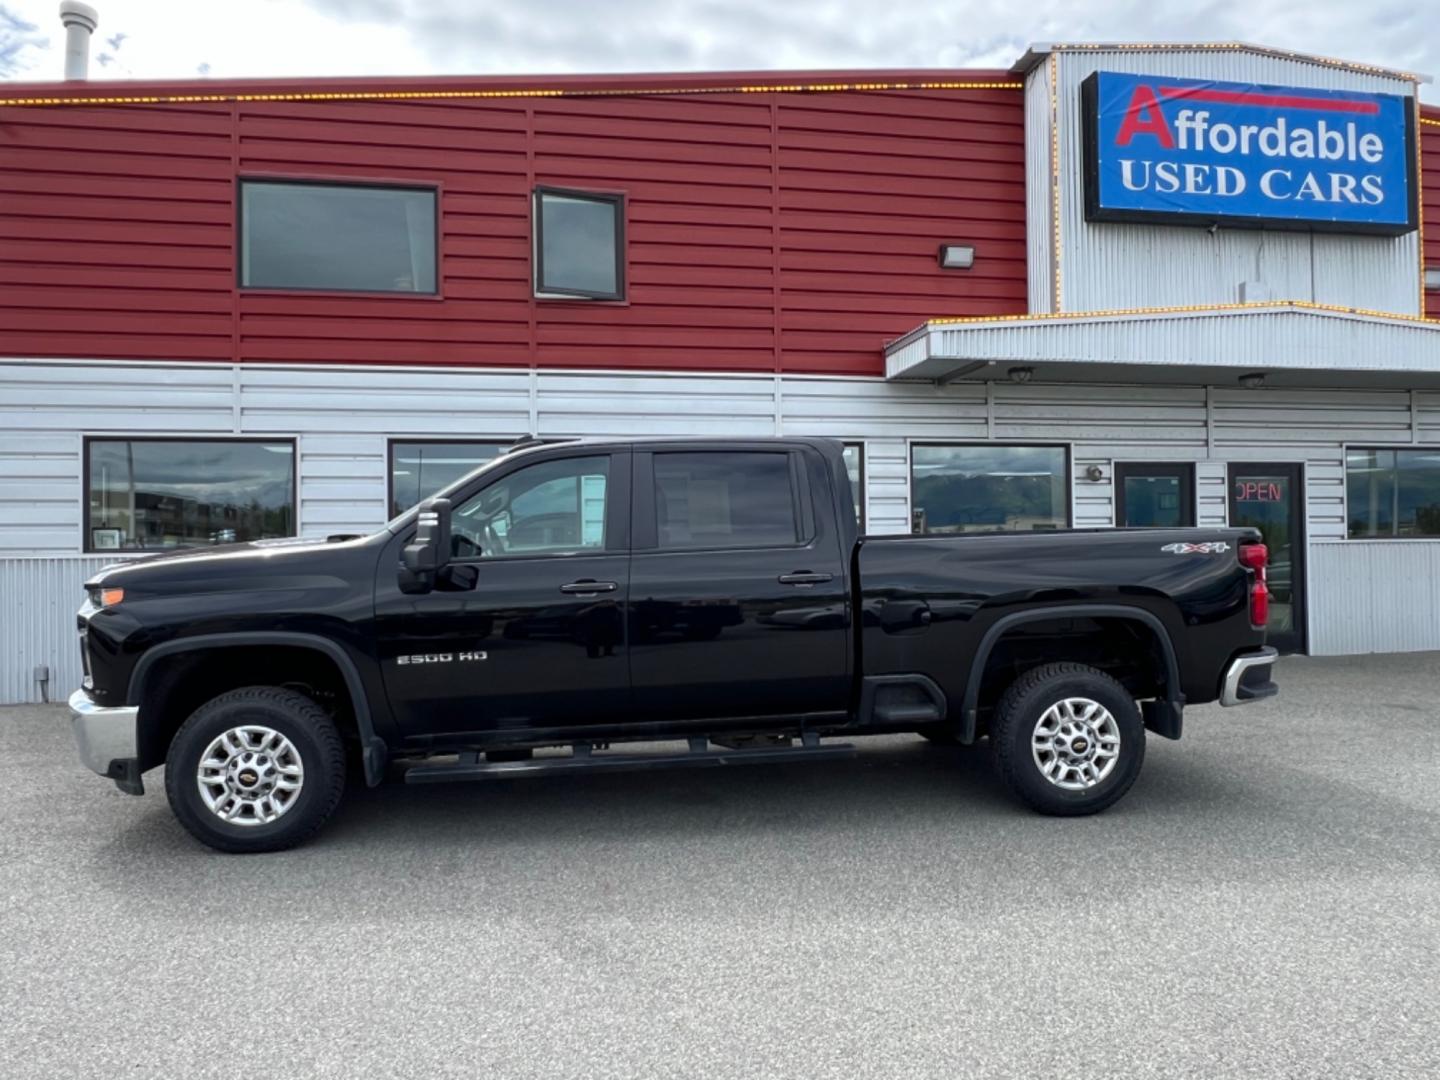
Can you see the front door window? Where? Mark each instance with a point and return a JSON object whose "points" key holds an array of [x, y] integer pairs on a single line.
{"points": [[550, 508]]}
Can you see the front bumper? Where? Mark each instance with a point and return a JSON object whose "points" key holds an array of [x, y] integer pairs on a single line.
{"points": [[106, 739], [1248, 679]]}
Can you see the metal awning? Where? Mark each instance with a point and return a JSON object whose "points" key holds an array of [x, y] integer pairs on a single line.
{"points": [[1292, 343]]}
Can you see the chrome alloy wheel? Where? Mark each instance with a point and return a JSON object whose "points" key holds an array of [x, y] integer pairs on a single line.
{"points": [[1076, 743], [250, 775]]}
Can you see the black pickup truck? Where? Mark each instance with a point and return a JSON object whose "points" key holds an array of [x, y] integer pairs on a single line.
{"points": [[571, 600]]}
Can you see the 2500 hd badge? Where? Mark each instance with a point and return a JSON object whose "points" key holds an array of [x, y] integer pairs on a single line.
{"points": [[441, 658]]}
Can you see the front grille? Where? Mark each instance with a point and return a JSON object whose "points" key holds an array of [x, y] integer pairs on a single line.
{"points": [[87, 682]]}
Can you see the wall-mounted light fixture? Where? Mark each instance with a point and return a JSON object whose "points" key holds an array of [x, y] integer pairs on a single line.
{"points": [[1021, 374], [1253, 381], [1094, 473], [956, 256], [1432, 277]]}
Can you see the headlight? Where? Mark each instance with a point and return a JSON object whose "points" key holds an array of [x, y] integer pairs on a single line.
{"points": [[103, 598]]}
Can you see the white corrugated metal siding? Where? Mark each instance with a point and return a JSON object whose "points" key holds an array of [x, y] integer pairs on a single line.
{"points": [[1039, 191], [1109, 266], [37, 624], [1374, 596]]}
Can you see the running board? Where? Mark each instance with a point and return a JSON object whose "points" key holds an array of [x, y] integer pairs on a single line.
{"points": [[584, 759]]}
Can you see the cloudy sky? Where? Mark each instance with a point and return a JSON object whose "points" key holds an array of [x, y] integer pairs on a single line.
{"points": [[234, 38]]}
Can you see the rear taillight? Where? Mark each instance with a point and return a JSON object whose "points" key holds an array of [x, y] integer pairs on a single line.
{"points": [[1254, 557]]}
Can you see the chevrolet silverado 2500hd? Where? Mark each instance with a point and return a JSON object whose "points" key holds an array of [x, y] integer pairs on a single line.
{"points": [[571, 598]]}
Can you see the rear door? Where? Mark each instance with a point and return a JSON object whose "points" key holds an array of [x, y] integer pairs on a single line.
{"points": [[738, 600]]}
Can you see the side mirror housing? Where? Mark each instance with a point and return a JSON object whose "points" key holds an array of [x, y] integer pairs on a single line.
{"points": [[426, 555]]}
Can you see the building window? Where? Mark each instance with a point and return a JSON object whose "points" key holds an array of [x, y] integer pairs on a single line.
{"points": [[420, 469], [713, 499], [1392, 492], [155, 494], [579, 244], [983, 488], [344, 237], [855, 470]]}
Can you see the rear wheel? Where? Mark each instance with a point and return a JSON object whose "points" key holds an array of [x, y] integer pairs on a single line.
{"points": [[256, 769], [1067, 739]]}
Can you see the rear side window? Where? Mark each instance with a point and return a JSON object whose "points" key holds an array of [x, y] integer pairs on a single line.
{"points": [[715, 500]]}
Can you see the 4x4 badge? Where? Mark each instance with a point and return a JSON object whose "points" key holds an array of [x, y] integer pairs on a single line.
{"points": [[1210, 547]]}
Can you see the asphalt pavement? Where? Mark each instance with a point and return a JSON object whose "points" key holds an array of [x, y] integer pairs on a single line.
{"points": [[1264, 903]]}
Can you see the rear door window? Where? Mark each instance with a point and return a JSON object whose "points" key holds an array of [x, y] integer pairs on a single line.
{"points": [[725, 500]]}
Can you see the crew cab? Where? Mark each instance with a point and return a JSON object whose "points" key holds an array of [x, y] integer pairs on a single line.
{"points": [[572, 599]]}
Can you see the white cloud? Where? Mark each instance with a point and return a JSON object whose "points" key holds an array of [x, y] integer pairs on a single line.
{"points": [[238, 38]]}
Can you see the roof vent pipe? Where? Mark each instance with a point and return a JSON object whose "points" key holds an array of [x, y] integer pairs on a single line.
{"points": [[80, 21]]}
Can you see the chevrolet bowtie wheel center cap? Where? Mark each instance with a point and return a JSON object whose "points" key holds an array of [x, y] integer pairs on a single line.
{"points": [[1076, 743], [250, 775]]}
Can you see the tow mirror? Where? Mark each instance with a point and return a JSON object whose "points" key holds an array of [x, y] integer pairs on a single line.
{"points": [[426, 555]]}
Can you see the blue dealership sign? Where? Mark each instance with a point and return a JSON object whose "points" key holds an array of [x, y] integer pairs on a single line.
{"points": [[1193, 151]]}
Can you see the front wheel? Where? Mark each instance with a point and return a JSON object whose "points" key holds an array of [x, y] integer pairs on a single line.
{"points": [[255, 769], [1067, 739]]}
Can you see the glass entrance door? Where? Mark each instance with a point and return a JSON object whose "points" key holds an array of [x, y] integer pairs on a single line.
{"points": [[1271, 498], [1154, 495]]}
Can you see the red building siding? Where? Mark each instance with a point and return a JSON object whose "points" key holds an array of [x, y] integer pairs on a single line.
{"points": [[1430, 198], [767, 230]]}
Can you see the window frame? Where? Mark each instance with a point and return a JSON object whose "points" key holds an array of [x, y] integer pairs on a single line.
{"points": [[645, 508], [1362, 448], [1069, 475], [87, 439], [434, 187], [618, 199], [392, 440], [617, 499]]}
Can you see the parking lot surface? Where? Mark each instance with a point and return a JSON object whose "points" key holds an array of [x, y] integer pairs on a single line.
{"points": [[1265, 902]]}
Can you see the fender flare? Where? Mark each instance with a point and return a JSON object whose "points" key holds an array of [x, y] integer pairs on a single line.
{"points": [[374, 751], [1174, 700]]}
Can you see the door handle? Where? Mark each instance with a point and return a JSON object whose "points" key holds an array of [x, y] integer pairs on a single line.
{"points": [[589, 587], [804, 577]]}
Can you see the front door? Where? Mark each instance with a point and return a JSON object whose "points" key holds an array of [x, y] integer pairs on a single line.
{"points": [[1271, 498], [1154, 495], [526, 627]]}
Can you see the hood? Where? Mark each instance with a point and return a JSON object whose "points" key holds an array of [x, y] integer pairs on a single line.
{"points": [[223, 560]]}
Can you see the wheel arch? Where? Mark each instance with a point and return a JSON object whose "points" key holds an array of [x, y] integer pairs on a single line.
{"points": [[1164, 719], [373, 749]]}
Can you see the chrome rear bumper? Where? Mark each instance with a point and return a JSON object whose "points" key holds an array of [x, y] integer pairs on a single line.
{"points": [[1240, 690], [106, 739]]}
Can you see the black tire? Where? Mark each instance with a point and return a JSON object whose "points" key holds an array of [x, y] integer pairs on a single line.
{"points": [[311, 733], [1018, 714]]}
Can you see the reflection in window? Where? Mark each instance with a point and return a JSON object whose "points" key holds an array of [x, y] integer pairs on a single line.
{"points": [[420, 469], [981, 488], [1393, 492], [349, 237], [855, 470], [579, 244], [721, 500], [549, 508], [158, 494]]}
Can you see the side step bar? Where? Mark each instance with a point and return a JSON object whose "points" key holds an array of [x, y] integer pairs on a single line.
{"points": [[584, 759]]}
